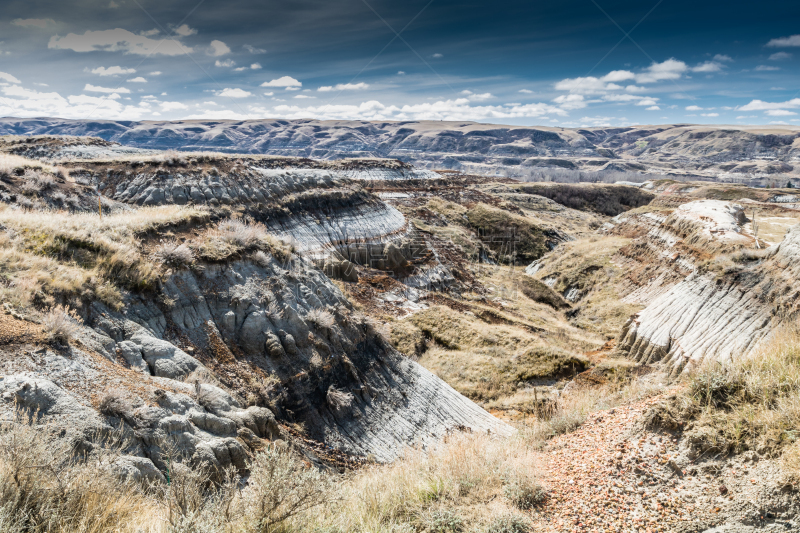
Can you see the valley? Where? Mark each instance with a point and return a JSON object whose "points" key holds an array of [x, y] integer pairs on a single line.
{"points": [[457, 327]]}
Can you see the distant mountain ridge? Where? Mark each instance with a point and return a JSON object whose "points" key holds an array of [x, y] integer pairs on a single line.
{"points": [[734, 152]]}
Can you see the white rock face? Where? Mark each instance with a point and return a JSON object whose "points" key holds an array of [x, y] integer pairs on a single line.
{"points": [[707, 318]]}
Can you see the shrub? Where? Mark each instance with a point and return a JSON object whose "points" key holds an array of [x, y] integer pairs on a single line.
{"points": [[174, 254], [280, 487], [523, 490], [442, 521], [509, 523], [62, 173], [320, 318], [171, 158], [36, 181], [61, 323], [242, 233], [539, 292]]}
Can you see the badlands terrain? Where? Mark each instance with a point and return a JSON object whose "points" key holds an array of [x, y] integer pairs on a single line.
{"points": [[753, 155], [408, 340]]}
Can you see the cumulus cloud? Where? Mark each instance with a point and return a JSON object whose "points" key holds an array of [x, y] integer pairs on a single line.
{"points": [[235, 93], [526, 91], [759, 105], [671, 69], [95, 89], [227, 63], [570, 101], [218, 48], [767, 68], [708, 66], [723, 58], [653, 108], [284, 81], [173, 106], [304, 96], [19, 102], [780, 56], [184, 30], [112, 71], [693, 108], [33, 23], [156, 73], [779, 112], [456, 109], [137, 79], [710, 114], [254, 50], [780, 42], [343, 87], [117, 40], [8, 78]]}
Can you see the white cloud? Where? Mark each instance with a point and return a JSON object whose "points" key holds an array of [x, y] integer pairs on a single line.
{"points": [[619, 75], [587, 85], [294, 89], [526, 91], [401, 73], [184, 30], [763, 68], [235, 93], [117, 40], [671, 69], [693, 108], [173, 106], [254, 50], [19, 102], [112, 71], [723, 58], [137, 79], [570, 101], [437, 56], [227, 63], [779, 112], [8, 78], [708, 66], [150, 33], [759, 105], [793, 40], [303, 96], [255, 66], [218, 48], [710, 114], [285, 81], [95, 89], [653, 108], [458, 109], [269, 94], [780, 56], [33, 23], [647, 101], [344, 87]]}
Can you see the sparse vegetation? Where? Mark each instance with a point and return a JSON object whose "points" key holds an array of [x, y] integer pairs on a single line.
{"points": [[174, 254], [608, 200], [750, 403], [60, 324]]}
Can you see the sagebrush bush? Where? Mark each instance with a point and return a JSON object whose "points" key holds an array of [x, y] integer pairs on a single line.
{"points": [[242, 233], [509, 523], [60, 324], [321, 318], [174, 254]]}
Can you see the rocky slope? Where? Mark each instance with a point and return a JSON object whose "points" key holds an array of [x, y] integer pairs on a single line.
{"points": [[762, 154]]}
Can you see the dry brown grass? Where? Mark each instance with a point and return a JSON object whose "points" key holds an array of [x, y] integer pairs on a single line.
{"points": [[80, 255], [10, 164], [750, 403]]}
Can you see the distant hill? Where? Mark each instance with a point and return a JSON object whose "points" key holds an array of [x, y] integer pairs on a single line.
{"points": [[731, 153]]}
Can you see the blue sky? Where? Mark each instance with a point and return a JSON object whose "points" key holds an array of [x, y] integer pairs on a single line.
{"points": [[569, 63]]}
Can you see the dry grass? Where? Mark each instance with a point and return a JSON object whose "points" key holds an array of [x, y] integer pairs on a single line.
{"points": [[80, 255], [233, 237], [60, 324], [10, 164], [750, 403], [45, 488]]}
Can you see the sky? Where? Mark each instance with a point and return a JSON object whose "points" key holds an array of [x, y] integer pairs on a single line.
{"points": [[570, 63]]}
